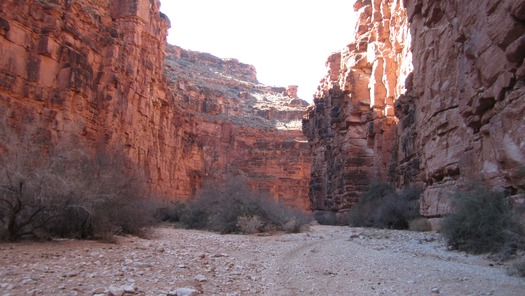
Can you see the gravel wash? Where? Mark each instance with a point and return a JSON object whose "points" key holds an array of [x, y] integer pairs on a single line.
{"points": [[327, 260]]}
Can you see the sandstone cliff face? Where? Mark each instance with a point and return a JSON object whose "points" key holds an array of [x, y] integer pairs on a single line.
{"points": [[92, 72], [89, 72], [465, 101], [459, 114], [241, 126], [351, 128]]}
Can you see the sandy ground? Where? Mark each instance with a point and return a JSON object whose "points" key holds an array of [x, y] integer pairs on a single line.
{"points": [[324, 261]]}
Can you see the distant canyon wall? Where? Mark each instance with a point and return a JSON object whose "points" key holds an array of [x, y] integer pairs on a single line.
{"points": [[241, 126], [430, 94], [93, 73]]}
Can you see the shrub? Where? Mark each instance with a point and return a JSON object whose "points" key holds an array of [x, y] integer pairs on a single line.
{"points": [[174, 212], [326, 218], [250, 224], [482, 221], [517, 269], [60, 192], [382, 207], [419, 224], [235, 208]]}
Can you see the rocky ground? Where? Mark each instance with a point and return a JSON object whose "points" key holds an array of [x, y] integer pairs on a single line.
{"points": [[324, 261]]}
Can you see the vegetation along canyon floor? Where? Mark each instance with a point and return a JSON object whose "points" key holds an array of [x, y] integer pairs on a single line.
{"points": [[326, 260]]}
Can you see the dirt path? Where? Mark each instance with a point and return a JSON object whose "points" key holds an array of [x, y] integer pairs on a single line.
{"points": [[324, 261]]}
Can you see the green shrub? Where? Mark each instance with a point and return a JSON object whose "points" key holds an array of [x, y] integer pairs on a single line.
{"points": [[382, 207], [235, 208], [482, 221]]}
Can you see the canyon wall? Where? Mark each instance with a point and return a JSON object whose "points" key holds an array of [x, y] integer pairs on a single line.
{"points": [[453, 71], [464, 109], [241, 126], [93, 73], [352, 127]]}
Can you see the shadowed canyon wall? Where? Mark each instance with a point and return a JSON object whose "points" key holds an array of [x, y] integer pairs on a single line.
{"points": [[453, 71], [93, 73], [464, 110]]}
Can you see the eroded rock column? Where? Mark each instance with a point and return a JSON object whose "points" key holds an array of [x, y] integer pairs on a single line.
{"points": [[351, 128]]}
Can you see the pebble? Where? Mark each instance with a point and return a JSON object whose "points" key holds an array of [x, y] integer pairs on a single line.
{"points": [[183, 292], [142, 264], [98, 291], [71, 274], [221, 255], [200, 278], [7, 286], [115, 291], [129, 288]]}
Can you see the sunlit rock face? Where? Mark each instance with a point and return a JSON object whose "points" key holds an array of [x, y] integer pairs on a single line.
{"points": [[241, 126], [90, 73], [93, 73], [351, 128], [453, 71]]}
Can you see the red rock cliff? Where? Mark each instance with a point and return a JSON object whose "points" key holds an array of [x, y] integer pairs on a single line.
{"points": [[241, 126], [351, 128], [465, 103], [459, 114], [90, 72], [93, 72]]}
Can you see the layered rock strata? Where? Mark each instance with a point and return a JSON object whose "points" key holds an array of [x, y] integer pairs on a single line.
{"points": [[92, 72], [351, 128], [241, 126], [466, 97], [459, 114]]}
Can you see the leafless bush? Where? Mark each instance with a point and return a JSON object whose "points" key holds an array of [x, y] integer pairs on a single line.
{"points": [[419, 224], [517, 269], [382, 207], [46, 192], [250, 224], [235, 208], [173, 212]]}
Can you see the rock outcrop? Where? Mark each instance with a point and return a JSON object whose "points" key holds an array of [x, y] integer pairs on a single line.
{"points": [[92, 72], [467, 97], [351, 128], [459, 113], [240, 126]]}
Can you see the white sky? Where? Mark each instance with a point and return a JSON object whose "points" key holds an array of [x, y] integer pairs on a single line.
{"points": [[288, 41]]}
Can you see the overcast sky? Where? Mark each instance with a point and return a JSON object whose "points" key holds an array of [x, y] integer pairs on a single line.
{"points": [[288, 41]]}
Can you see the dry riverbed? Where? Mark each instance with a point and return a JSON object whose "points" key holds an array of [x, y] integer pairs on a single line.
{"points": [[324, 261]]}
